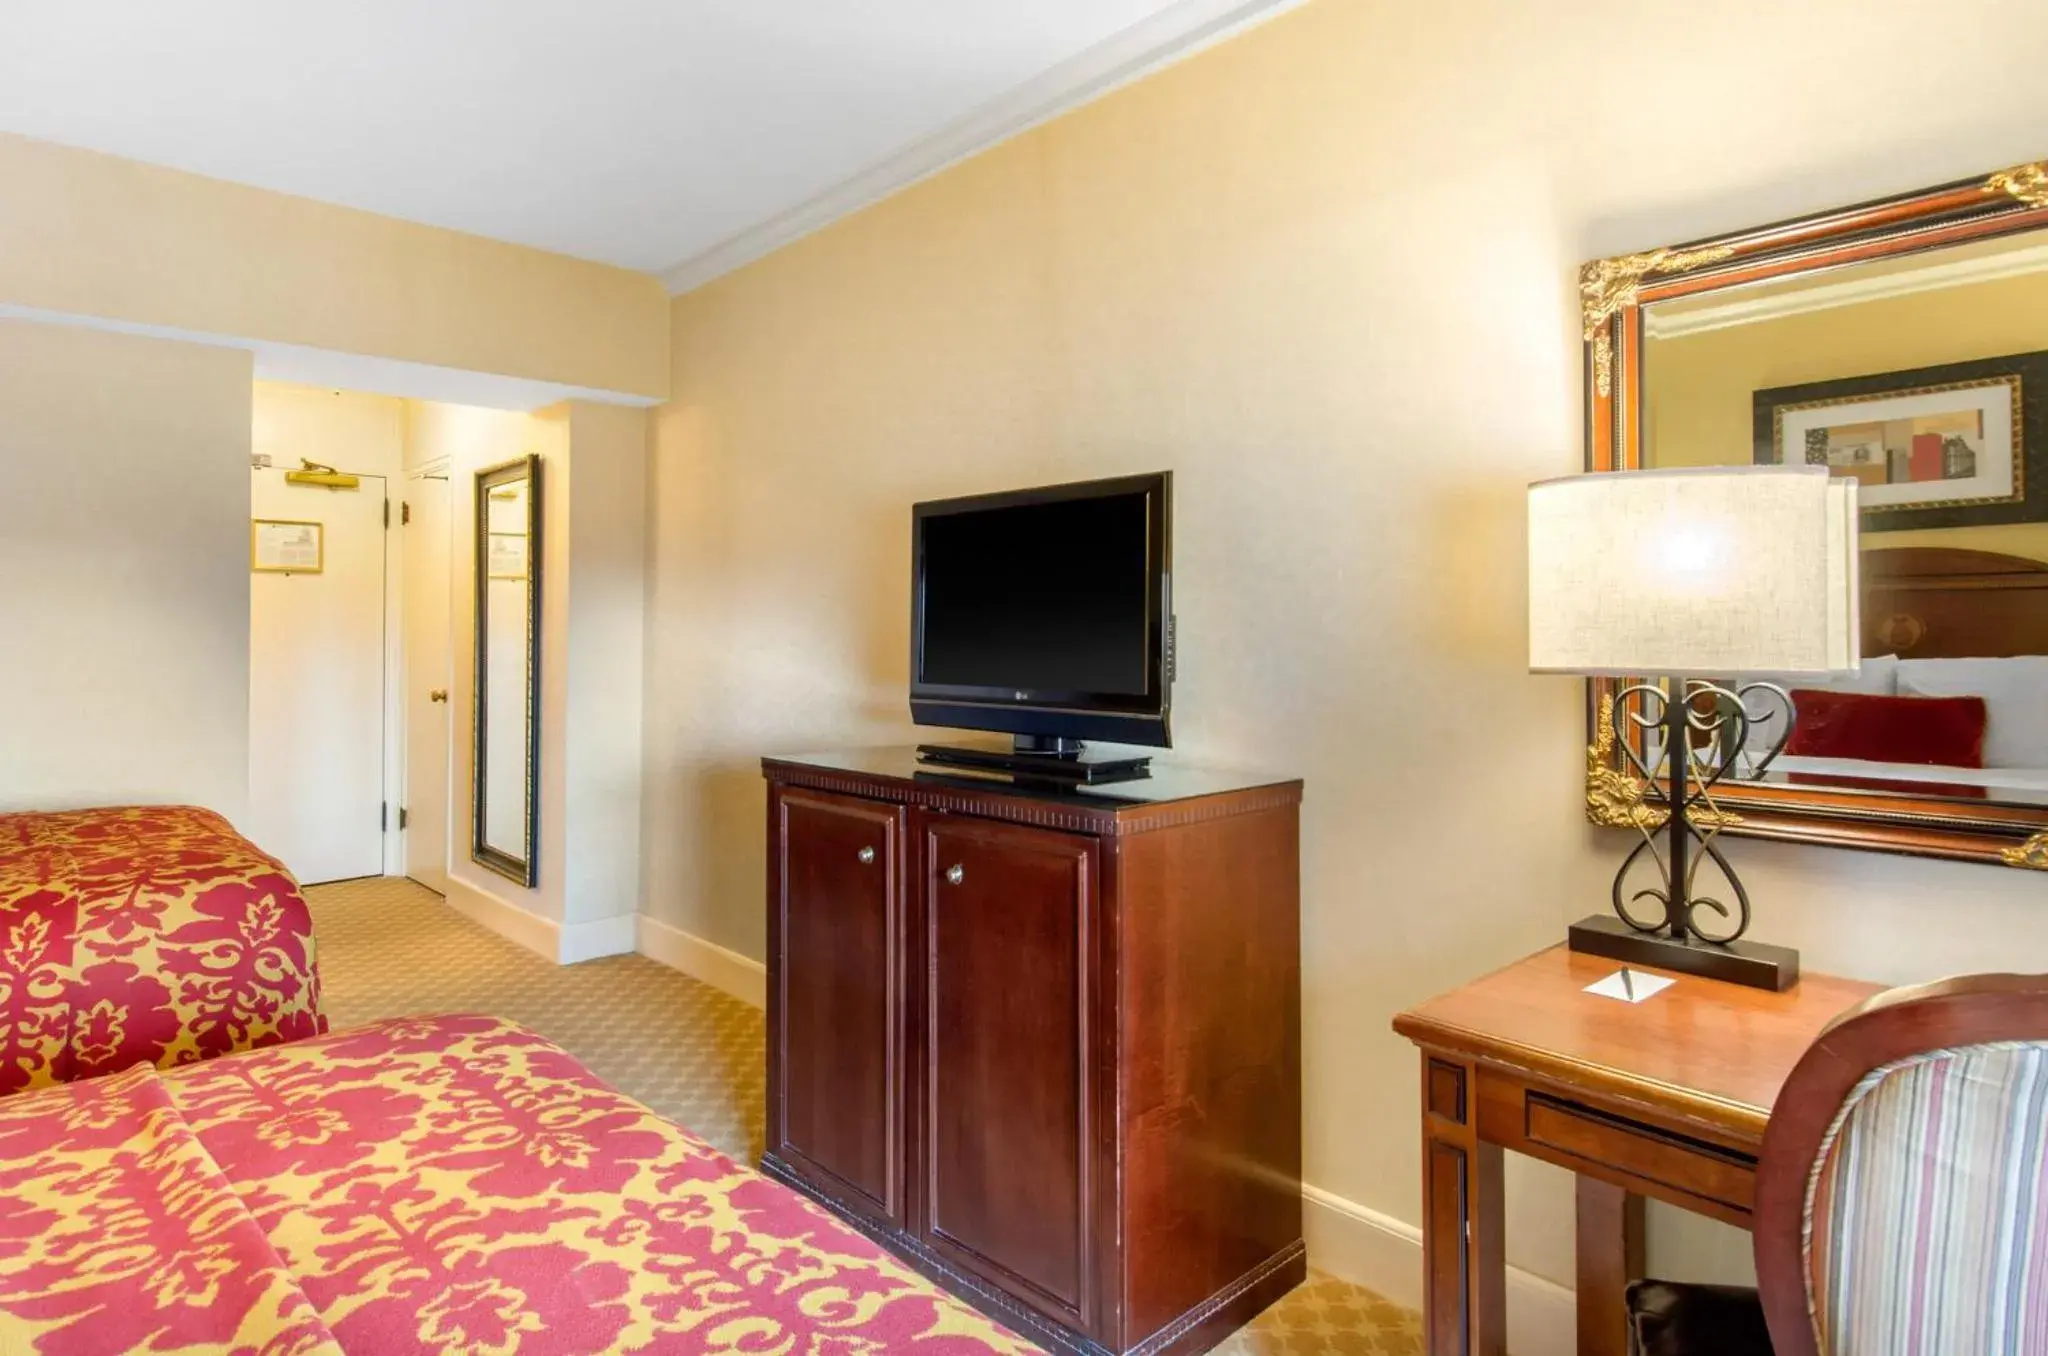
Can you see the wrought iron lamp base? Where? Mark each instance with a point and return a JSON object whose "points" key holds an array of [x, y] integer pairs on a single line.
{"points": [[1707, 729], [1757, 965]]}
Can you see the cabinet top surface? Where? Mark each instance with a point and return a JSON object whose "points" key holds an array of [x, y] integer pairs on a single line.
{"points": [[1169, 781], [1700, 1041]]}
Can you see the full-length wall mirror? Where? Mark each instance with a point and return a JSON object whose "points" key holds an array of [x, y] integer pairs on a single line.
{"points": [[505, 804], [1904, 343]]}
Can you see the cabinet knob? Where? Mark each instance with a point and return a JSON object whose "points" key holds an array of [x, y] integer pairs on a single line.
{"points": [[955, 874], [866, 855], [439, 694]]}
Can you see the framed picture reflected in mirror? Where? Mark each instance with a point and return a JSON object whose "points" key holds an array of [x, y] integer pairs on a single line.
{"points": [[1955, 445]]}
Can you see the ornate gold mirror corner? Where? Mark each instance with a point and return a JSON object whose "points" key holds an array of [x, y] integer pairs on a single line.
{"points": [[1614, 799], [2031, 855], [1609, 286], [1617, 800], [2026, 183]]}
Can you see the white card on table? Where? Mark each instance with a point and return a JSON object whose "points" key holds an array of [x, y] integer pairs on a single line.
{"points": [[1630, 986]]}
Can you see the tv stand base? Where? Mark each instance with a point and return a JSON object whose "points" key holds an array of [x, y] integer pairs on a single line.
{"points": [[1041, 758]]}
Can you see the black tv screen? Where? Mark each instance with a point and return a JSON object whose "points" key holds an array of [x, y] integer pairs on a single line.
{"points": [[1043, 596], [1050, 604]]}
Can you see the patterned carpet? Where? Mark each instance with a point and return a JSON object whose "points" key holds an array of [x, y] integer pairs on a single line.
{"points": [[390, 948]]}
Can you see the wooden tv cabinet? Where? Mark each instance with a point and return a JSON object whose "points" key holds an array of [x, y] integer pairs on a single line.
{"points": [[1044, 1045]]}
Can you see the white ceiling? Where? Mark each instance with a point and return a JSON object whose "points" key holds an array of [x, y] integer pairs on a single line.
{"points": [[645, 133]]}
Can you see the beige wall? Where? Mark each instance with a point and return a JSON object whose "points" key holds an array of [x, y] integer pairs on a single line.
{"points": [[1326, 273], [607, 575], [1700, 407], [124, 570], [95, 235]]}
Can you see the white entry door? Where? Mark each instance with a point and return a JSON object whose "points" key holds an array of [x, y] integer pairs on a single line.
{"points": [[316, 685], [426, 545]]}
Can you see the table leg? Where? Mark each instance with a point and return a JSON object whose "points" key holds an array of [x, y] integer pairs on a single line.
{"points": [[1464, 1311], [1610, 1255]]}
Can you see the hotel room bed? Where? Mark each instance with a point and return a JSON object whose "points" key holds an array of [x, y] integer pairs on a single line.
{"points": [[1980, 724], [442, 1184], [152, 934], [2029, 784], [1940, 626]]}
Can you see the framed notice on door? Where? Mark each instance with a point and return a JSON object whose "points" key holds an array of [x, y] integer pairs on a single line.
{"points": [[278, 546]]}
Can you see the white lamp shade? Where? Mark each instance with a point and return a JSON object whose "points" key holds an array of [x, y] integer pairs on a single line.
{"points": [[1708, 571]]}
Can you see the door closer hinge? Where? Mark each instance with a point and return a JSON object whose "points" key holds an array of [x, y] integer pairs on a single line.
{"points": [[404, 513], [404, 816], [383, 815], [387, 513]]}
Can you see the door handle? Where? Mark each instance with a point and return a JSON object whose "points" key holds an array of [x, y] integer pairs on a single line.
{"points": [[437, 694], [866, 856], [955, 874]]}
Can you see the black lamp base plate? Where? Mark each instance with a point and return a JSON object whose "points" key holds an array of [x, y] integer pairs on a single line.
{"points": [[1753, 964]]}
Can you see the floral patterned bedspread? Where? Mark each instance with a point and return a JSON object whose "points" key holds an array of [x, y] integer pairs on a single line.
{"points": [[118, 1234], [153, 935], [458, 1184]]}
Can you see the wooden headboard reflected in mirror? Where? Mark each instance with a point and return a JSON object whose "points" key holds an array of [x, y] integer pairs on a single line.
{"points": [[1936, 602], [1903, 343]]}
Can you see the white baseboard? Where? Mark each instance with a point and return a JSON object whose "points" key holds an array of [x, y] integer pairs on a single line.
{"points": [[562, 943], [740, 976], [1384, 1255], [614, 936], [508, 920], [1362, 1246]]}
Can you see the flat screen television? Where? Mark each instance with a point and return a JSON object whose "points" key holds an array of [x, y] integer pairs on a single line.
{"points": [[1046, 614]]}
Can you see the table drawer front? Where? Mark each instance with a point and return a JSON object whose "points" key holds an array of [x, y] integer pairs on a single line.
{"points": [[1646, 1151]]}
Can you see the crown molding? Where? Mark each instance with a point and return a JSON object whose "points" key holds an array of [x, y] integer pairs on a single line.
{"points": [[1172, 34], [1825, 296]]}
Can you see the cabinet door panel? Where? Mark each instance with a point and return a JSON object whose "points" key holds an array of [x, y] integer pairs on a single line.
{"points": [[1007, 933], [835, 1112]]}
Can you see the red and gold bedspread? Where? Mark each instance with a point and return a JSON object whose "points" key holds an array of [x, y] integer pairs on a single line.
{"points": [[118, 1234], [154, 935], [458, 1184]]}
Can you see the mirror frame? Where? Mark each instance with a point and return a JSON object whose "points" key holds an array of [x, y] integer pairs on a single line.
{"points": [[1613, 293], [524, 870]]}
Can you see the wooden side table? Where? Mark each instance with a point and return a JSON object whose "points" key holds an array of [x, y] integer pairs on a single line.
{"points": [[1665, 1099]]}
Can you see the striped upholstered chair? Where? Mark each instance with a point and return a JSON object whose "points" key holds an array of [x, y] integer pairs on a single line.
{"points": [[1902, 1192]]}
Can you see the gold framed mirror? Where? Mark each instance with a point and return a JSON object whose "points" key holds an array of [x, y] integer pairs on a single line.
{"points": [[505, 733], [1903, 342]]}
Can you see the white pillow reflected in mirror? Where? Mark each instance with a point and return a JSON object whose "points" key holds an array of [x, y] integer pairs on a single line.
{"points": [[2015, 693]]}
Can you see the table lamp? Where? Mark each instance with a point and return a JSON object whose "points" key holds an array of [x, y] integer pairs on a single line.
{"points": [[1686, 584]]}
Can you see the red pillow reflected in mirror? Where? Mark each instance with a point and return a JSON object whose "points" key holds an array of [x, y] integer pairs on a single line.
{"points": [[1942, 731]]}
